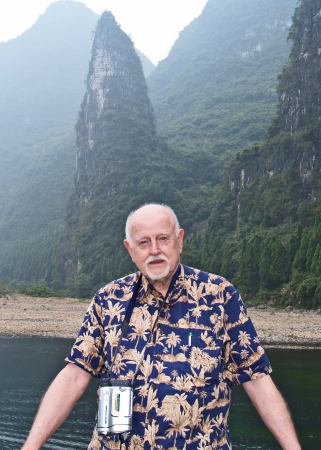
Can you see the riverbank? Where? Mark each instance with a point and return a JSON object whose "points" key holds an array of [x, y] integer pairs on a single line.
{"points": [[62, 317]]}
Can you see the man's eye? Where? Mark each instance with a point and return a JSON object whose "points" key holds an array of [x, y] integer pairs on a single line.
{"points": [[143, 243]]}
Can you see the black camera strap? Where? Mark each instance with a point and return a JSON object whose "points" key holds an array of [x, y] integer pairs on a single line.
{"points": [[126, 320], [129, 311], [123, 436], [167, 300]]}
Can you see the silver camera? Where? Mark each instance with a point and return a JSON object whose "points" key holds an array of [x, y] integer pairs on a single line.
{"points": [[115, 407]]}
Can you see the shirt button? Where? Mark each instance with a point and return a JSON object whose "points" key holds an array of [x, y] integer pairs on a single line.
{"points": [[154, 386], [158, 357], [161, 331], [150, 420]]}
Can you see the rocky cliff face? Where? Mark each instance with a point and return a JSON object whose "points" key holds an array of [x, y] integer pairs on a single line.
{"points": [[300, 81], [120, 165], [116, 115], [294, 137]]}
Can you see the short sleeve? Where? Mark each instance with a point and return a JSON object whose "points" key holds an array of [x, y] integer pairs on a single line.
{"points": [[87, 351], [245, 358]]}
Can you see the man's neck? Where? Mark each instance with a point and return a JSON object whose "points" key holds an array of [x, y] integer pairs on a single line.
{"points": [[163, 284]]}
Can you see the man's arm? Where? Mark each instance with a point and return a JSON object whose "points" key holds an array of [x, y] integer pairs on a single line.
{"points": [[57, 404], [273, 411]]}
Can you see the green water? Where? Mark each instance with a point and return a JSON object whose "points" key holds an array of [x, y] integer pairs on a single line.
{"points": [[29, 364], [297, 374]]}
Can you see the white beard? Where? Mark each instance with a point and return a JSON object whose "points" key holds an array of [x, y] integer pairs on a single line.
{"points": [[164, 274]]}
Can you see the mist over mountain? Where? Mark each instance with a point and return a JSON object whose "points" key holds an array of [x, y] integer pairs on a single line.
{"points": [[148, 66], [214, 95], [42, 83], [216, 89], [44, 69], [121, 164]]}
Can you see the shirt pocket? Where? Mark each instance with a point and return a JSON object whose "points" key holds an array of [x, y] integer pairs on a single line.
{"points": [[205, 354], [192, 353]]}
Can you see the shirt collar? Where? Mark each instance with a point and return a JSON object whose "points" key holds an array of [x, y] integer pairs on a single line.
{"points": [[174, 289]]}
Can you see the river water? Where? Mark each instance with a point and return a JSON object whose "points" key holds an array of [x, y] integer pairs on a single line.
{"points": [[28, 365]]}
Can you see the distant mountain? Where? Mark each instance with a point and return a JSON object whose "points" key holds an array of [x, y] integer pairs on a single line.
{"points": [[148, 66], [121, 164], [216, 88], [44, 69], [42, 83], [265, 228]]}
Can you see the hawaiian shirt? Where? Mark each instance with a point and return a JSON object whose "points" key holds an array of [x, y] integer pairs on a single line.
{"points": [[202, 344]]}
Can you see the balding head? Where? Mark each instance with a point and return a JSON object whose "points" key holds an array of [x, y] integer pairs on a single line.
{"points": [[145, 213], [155, 242]]}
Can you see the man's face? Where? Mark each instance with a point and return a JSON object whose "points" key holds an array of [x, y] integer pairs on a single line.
{"points": [[155, 247]]}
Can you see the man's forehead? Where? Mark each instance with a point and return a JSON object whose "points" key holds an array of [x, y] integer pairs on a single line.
{"points": [[151, 218]]}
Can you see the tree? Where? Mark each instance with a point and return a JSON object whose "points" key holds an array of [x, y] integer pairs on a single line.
{"points": [[265, 264], [280, 269], [300, 259], [250, 264]]}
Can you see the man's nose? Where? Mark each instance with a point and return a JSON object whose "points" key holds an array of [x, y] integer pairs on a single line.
{"points": [[154, 248]]}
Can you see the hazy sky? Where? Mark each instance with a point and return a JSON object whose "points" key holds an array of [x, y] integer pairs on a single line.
{"points": [[154, 25]]}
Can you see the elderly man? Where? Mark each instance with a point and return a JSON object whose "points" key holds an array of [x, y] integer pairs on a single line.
{"points": [[188, 342]]}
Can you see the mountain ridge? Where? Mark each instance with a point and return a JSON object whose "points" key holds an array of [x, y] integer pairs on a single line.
{"points": [[41, 90], [264, 232], [216, 88]]}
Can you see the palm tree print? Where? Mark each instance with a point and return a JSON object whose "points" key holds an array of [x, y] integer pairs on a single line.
{"points": [[150, 435], [203, 395], [182, 392], [183, 383], [184, 348], [197, 313], [141, 328], [152, 401], [172, 340], [245, 339], [179, 425], [114, 311]]}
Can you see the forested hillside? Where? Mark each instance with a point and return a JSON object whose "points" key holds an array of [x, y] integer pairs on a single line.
{"points": [[42, 83], [256, 222], [216, 89], [265, 232], [121, 163]]}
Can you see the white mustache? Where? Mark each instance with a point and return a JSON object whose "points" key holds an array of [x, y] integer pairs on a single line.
{"points": [[156, 258]]}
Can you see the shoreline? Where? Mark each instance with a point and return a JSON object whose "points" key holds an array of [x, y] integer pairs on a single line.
{"points": [[23, 316]]}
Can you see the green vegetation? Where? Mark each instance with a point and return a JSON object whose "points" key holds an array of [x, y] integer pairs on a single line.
{"points": [[264, 232], [280, 264], [36, 290], [216, 89], [256, 222], [126, 166], [41, 88]]}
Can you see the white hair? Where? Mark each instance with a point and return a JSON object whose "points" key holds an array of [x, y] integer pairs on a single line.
{"points": [[127, 228]]}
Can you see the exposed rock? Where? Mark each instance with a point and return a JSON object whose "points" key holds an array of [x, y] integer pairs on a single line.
{"points": [[116, 112], [292, 147], [115, 133]]}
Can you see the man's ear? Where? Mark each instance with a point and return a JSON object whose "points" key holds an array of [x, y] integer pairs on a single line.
{"points": [[180, 239], [130, 250]]}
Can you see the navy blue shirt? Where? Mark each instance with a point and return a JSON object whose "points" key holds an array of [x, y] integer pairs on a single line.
{"points": [[202, 344]]}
